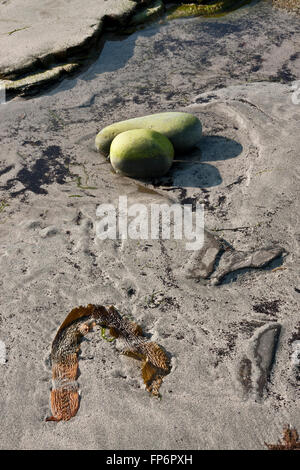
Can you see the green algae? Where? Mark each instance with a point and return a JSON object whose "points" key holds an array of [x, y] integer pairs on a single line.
{"points": [[149, 13], [141, 153], [16, 30], [3, 205], [78, 178], [103, 334], [79, 184], [218, 8], [184, 130], [39, 79]]}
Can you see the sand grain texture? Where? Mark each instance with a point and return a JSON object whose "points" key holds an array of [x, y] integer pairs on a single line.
{"points": [[246, 173]]}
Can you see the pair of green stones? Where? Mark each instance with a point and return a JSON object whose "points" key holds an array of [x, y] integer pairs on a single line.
{"points": [[144, 147]]}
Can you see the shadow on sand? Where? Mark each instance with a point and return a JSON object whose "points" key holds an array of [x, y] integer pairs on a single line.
{"points": [[194, 170]]}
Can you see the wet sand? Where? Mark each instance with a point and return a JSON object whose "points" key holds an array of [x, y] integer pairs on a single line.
{"points": [[233, 384]]}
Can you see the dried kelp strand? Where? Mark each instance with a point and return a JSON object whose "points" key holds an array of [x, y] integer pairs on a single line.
{"points": [[66, 345]]}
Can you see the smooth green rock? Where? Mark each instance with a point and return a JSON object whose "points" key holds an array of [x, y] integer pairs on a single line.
{"points": [[193, 9], [183, 129], [141, 153]]}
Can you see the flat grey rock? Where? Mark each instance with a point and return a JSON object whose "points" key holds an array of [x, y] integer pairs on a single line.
{"points": [[202, 262], [51, 181], [255, 367], [233, 261], [264, 353], [42, 32]]}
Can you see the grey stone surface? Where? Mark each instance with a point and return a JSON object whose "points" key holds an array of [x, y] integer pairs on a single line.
{"points": [[233, 261], [202, 262], [41, 32], [265, 346], [245, 173]]}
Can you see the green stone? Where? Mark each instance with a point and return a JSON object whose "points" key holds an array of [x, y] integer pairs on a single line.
{"points": [[141, 153], [183, 129]]}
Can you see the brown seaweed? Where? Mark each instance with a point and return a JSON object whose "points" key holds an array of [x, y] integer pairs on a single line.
{"points": [[66, 345], [289, 441]]}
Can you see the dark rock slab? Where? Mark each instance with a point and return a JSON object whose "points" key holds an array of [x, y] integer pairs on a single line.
{"points": [[235, 260], [202, 263], [264, 355]]}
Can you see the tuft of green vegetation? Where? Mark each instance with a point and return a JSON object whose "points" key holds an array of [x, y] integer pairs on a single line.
{"points": [[16, 30], [3, 204], [103, 334], [204, 8], [78, 178]]}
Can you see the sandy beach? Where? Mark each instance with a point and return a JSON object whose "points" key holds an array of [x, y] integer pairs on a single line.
{"points": [[231, 330]]}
